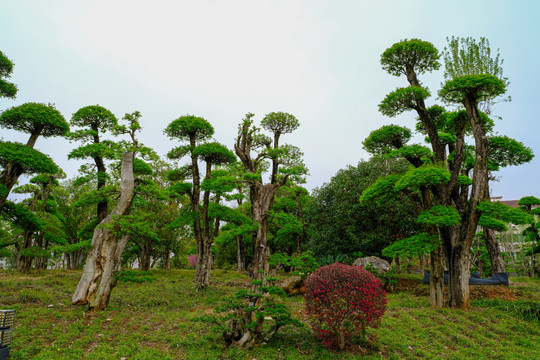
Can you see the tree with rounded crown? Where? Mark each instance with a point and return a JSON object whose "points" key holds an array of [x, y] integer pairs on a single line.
{"points": [[94, 121], [7, 89], [285, 164], [17, 159], [440, 182], [108, 242], [196, 131]]}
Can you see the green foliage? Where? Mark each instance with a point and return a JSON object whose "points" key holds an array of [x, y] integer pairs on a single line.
{"points": [[406, 55], [247, 311], [189, 126], [427, 175], [36, 119], [415, 245], [504, 151], [21, 217], [214, 153], [387, 138], [141, 167], [7, 89], [179, 152], [31, 160], [476, 87], [348, 215], [280, 123], [412, 151], [304, 264], [528, 201], [104, 149], [402, 99], [439, 216], [95, 118], [179, 189]]}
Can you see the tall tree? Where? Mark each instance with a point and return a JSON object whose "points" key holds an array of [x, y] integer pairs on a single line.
{"points": [[15, 158], [285, 162], [94, 121], [448, 198], [104, 257], [195, 130]]}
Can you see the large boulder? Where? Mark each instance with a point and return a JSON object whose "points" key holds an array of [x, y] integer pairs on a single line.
{"points": [[379, 264], [293, 285]]}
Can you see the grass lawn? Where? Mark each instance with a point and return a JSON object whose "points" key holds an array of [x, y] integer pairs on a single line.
{"points": [[167, 319]]}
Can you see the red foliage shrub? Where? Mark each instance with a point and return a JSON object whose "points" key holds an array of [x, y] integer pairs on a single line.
{"points": [[342, 301]]}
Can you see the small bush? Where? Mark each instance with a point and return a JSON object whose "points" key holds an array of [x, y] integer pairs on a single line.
{"points": [[342, 301]]}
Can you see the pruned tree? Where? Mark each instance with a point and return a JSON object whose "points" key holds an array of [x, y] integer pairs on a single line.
{"points": [[285, 163], [195, 131], [17, 159], [441, 181], [93, 122], [108, 242], [7, 89]]}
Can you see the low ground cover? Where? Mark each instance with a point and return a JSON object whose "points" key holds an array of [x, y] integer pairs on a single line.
{"points": [[166, 319]]}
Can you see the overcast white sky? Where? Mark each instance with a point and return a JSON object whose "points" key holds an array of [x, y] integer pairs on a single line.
{"points": [[219, 59]]}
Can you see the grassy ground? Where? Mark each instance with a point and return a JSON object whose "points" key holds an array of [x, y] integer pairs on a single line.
{"points": [[166, 319]]}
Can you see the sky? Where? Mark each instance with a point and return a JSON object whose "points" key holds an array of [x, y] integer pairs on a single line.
{"points": [[220, 59]]}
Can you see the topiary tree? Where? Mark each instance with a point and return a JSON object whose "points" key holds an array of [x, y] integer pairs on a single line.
{"points": [[342, 302], [17, 159], [194, 130], [7, 89], [451, 176], [285, 164], [104, 257], [93, 122]]}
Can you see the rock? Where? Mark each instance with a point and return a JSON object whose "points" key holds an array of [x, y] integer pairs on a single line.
{"points": [[293, 285], [379, 264]]}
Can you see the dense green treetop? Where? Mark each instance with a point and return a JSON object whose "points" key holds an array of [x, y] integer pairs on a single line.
{"points": [[475, 87], [280, 123], [31, 160], [386, 139], [36, 119], [407, 55], [95, 117], [7, 89], [403, 99], [529, 201], [466, 56], [214, 153], [504, 151], [189, 126], [427, 175], [440, 215]]}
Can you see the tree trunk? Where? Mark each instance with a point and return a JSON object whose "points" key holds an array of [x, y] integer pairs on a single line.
{"points": [[495, 255], [204, 253], [458, 282], [436, 278], [167, 260], [240, 253], [262, 201], [145, 255], [104, 258]]}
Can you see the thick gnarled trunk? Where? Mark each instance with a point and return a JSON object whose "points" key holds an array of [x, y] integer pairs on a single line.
{"points": [[104, 258]]}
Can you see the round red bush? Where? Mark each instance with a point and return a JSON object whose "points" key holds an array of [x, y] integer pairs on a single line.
{"points": [[342, 301]]}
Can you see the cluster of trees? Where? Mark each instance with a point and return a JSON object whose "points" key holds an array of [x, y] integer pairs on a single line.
{"points": [[237, 205]]}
